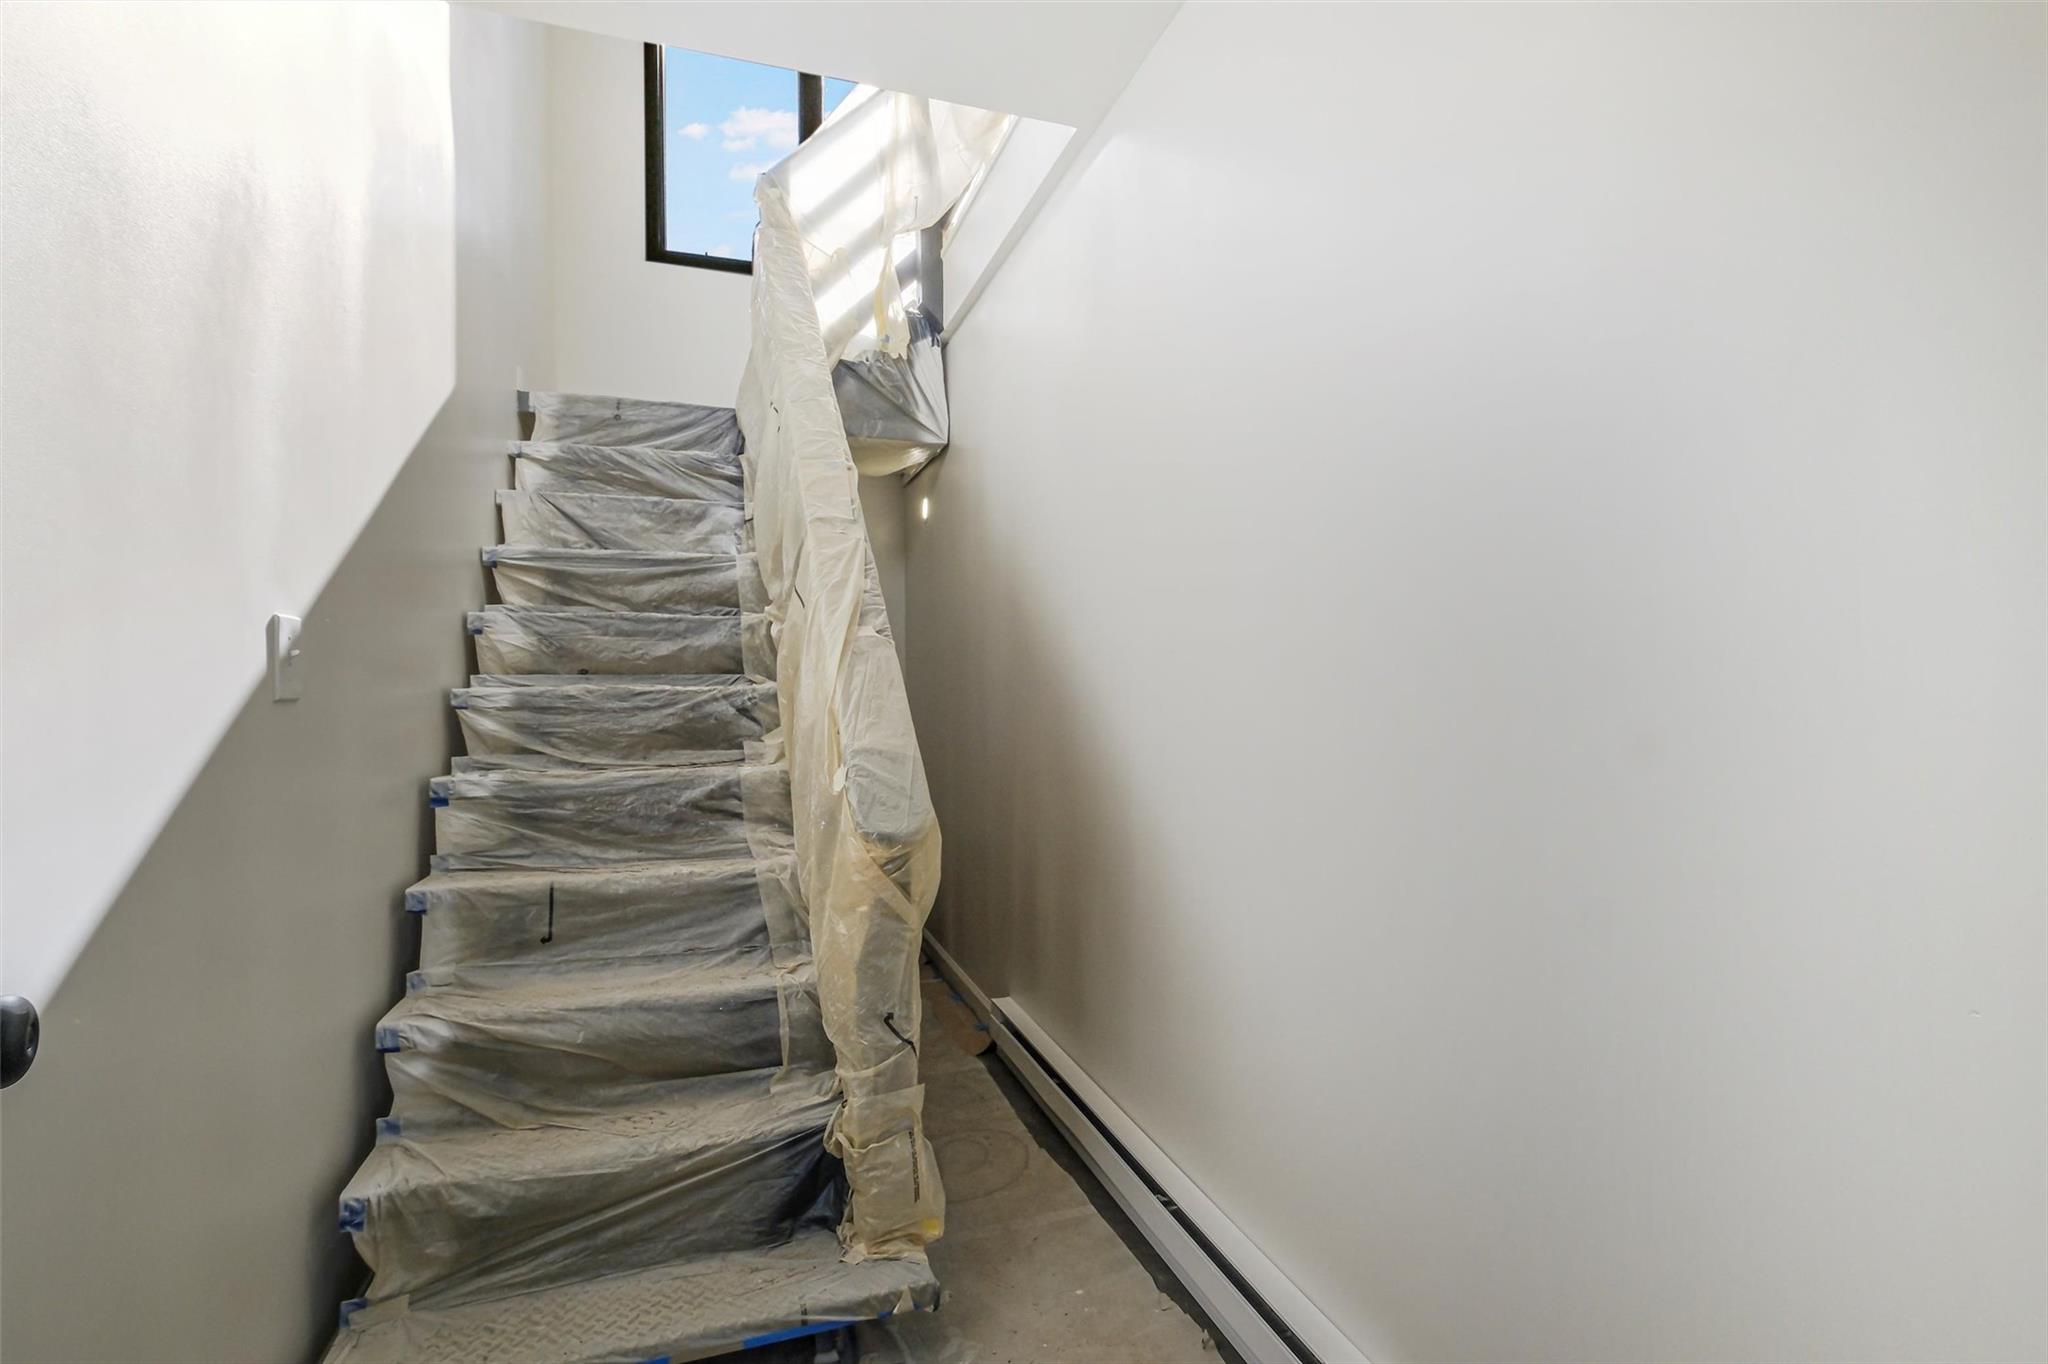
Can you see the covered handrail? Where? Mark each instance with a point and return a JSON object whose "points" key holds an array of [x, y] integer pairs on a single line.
{"points": [[867, 841]]}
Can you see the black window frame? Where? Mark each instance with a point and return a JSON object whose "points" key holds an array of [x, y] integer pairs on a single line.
{"points": [[810, 104]]}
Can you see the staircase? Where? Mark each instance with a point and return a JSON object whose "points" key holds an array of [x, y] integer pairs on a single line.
{"points": [[611, 1085]]}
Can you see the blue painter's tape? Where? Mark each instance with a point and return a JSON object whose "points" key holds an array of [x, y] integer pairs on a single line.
{"points": [[658, 1359], [388, 1040], [355, 1215], [387, 1129], [816, 1328], [457, 700], [476, 629], [415, 902], [350, 1308], [437, 802]]}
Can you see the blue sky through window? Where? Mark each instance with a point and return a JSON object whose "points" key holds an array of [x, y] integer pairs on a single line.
{"points": [[724, 122]]}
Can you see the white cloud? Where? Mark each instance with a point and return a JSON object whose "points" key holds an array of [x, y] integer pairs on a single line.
{"points": [[775, 127], [747, 170], [696, 132], [725, 251]]}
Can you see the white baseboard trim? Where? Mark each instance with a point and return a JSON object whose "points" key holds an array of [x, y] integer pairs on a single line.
{"points": [[1245, 1294]]}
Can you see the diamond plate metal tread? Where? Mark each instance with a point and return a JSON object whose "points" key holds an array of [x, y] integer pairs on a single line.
{"points": [[586, 917], [452, 1214], [627, 471], [693, 1310]]}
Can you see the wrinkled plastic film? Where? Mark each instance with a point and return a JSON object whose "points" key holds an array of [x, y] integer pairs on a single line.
{"points": [[882, 169], [627, 421], [616, 521], [894, 406], [579, 640], [867, 841]]}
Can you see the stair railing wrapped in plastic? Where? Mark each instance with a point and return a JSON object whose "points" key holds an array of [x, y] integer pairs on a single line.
{"points": [[866, 837]]}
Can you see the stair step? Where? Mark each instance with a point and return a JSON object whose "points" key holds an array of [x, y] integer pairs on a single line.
{"points": [[606, 724], [586, 817], [518, 1047], [625, 579], [577, 918], [693, 1310], [626, 470], [456, 1215], [582, 639], [634, 421], [605, 679], [572, 520]]}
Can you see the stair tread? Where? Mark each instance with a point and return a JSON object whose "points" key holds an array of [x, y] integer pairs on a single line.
{"points": [[693, 1309], [480, 992], [607, 679], [652, 581], [633, 470], [687, 1118], [617, 724], [603, 417], [570, 778], [513, 878], [477, 1211], [571, 555]]}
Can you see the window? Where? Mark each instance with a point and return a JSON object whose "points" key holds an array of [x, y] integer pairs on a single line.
{"points": [[713, 125]]}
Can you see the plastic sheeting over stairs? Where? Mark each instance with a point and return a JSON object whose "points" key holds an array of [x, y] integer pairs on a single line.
{"points": [[616, 1123]]}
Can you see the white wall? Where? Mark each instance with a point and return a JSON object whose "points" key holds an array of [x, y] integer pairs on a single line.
{"points": [[1480, 652], [229, 297], [624, 324], [246, 256]]}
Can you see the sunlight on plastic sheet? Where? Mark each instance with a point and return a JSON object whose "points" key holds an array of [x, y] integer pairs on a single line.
{"points": [[867, 841]]}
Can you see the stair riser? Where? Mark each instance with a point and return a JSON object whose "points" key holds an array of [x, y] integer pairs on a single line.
{"points": [[631, 815], [615, 724], [627, 421], [558, 642], [698, 584], [445, 1243], [578, 920], [535, 1070], [699, 1310], [565, 520]]}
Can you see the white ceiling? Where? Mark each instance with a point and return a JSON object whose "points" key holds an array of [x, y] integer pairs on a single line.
{"points": [[1063, 62]]}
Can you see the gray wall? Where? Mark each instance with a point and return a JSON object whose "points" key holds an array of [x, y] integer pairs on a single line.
{"points": [[170, 1167], [1480, 651]]}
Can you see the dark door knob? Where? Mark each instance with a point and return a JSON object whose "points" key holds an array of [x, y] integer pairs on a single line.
{"points": [[20, 1030]]}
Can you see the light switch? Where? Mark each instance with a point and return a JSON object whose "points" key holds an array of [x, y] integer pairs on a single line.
{"points": [[285, 660]]}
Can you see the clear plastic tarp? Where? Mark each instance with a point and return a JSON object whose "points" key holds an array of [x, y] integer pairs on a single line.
{"points": [[856, 195], [867, 840]]}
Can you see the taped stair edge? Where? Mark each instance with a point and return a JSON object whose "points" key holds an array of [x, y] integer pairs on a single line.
{"points": [[1252, 1301]]}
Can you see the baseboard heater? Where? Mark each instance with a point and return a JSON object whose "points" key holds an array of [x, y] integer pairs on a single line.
{"points": [[1265, 1317]]}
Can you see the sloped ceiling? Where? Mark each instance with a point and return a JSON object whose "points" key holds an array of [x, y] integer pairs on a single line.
{"points": [[1061, 62]]}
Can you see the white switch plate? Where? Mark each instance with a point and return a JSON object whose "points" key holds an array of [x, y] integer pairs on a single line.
{"points": [[282, 636]]}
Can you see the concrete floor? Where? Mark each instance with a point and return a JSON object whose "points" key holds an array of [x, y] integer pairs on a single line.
{"points": [[1038, 1264]]}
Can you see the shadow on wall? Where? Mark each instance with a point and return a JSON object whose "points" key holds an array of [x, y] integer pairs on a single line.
{"points": [[207, 1080], [1011, 749]]}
